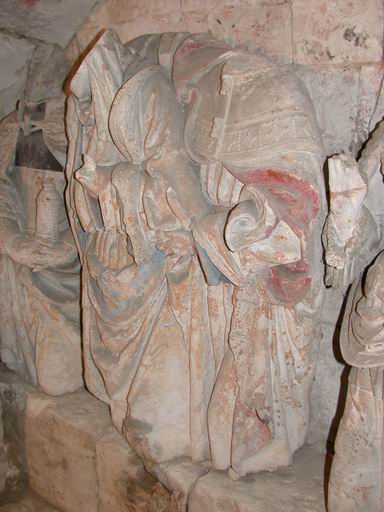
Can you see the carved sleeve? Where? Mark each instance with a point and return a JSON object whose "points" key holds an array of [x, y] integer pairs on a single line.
{"points": [[266, 235], [295, 203]]}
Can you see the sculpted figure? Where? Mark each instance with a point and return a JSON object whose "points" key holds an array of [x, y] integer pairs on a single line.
{"points": [[354, 236], [195, 196], [39, 266], [357, 468], [352, 233]]}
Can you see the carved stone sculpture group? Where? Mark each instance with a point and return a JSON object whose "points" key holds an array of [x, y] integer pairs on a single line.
{"points": [[193, 201]]}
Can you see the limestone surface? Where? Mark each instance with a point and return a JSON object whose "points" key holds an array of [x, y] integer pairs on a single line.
{"points": [[51, 21], [14, 55], [337, 32], [29, 503], [78, 462], [299, 487], [336, 113]]}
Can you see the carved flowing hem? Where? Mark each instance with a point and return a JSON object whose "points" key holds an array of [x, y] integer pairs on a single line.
{"points": [[38, 340], [158, 370]]}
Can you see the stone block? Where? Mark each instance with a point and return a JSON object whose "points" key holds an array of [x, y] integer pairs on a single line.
{"points": [[52, 21], [334, 91], [76, 460], [341, 31], [171, 22], [199, 5], [296, 488], [202, 5], [124, 485], [13, 397], [128, 10], [370, 101], [264, 26], [61, 436]]}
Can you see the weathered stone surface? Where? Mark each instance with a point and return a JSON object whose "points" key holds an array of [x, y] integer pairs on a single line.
{"points": [[4, 466], [266, 26], [61, 436], [30, 503], [339, 31], [195, 5], [378, 113], [78, 462], [132, 28], [51, 21], [298, 487], [14, 55], [335, 111], [13, 395], [196, 21], [127, 10], [263, 26], [370, 101], [75, 458], [47, 71], [329, 386], [123, 483], [180, 476]]}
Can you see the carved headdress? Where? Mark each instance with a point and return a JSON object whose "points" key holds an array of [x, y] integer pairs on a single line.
{"points": [[140, 114]]}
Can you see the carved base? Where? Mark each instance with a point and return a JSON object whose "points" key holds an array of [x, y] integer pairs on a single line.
{"points": [[77, 462]]}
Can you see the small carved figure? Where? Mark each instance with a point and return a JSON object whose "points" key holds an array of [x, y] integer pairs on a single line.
{"points": [[357, 468], [39, 266], [195, 196], [353, 236]]}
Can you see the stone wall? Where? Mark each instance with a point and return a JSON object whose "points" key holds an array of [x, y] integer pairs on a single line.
{"points": [[27, 26]]}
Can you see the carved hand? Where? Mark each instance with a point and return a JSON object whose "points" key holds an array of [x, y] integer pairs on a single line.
{"points": [[177, 242], [347, 193], [342, 260], [340, 264], [111, 250]]}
